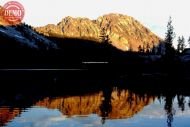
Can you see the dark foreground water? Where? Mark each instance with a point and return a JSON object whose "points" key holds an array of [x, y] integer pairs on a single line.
{"points": [[55, 113], [76, 98]]}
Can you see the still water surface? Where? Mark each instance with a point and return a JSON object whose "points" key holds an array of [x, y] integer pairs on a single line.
{"points": [[124, 109], [108, 106]]}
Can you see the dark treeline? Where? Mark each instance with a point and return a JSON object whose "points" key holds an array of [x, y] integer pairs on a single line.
{"points": [[70, 53], [60, 53], [76, 53]]}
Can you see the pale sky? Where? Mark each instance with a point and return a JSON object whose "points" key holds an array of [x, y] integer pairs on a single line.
{"points": [[154, 14]]}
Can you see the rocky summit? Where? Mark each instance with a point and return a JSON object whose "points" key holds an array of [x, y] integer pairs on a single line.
{"points": [[122, 31]]}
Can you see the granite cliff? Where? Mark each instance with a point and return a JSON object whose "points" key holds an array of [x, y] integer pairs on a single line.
{"points": [[122, 31]]}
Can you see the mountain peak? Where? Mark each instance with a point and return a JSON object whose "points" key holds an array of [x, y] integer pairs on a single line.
{"points": [[115, 15], [123, 32]]}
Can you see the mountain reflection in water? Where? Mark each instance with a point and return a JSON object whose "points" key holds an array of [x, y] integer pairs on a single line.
{"points": [[122, 104], [96, 100]]}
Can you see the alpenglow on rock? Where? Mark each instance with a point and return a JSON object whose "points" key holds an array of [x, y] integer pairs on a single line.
{"points": [[120, 103], [123, 32]]}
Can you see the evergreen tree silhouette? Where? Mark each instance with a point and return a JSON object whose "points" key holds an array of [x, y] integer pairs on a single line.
{"points": [[103, 36], [178, 44], [189, 41], [140, 49], [154, 50], [170, 35], [144, 47], [147, 48], [181, 44]]}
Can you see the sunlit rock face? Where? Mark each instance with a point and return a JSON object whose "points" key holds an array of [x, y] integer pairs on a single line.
{"points": [[69, 27], [123, 104], [123, 32]]}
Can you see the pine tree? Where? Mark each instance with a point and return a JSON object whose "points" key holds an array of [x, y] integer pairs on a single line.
{"points": [[181, 44], [144, 47], [154, 50], [147, 48], [178, 44], [140, 49], [103, 36], [170, 35], [189, 42]]}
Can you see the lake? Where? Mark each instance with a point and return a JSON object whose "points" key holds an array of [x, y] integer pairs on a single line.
{"points": [[76, 98]]}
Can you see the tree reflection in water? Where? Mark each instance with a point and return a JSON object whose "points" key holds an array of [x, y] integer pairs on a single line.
{"points": [[170, 111], [169, 108], [106, 106], [107, 101]]}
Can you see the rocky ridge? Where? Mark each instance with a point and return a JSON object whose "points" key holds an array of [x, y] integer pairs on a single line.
{"points": [[122, 31]]}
